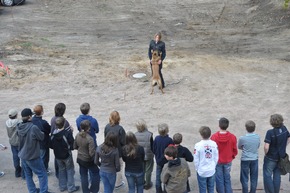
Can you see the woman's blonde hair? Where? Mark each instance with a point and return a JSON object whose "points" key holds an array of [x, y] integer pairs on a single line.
{"points": [[114, 118]]}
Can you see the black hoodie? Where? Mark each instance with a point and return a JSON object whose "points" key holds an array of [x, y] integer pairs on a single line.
{"points": [[62, 143], [29, 140]]}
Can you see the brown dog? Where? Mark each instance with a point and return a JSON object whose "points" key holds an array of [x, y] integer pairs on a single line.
{"points": [[156, 80]]}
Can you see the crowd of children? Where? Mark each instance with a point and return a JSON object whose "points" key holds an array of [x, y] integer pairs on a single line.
{"points": [[31, 138]]}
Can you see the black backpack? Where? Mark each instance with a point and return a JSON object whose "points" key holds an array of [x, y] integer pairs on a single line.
{"points": [[60, 146]]}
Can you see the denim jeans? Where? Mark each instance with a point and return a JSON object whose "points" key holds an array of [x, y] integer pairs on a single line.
{"points": [[109, 180], [16, 162], [66, 174], [158, 179], [135, 181], [270, 168], [148, 168], [246, 167], [36, 166], [44, 155], [119, 179], [94, 178], [205, 183], [223, 178]]}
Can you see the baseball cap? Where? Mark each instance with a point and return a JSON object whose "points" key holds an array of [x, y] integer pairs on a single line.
{"points": [[26, 112], [12, 113]]}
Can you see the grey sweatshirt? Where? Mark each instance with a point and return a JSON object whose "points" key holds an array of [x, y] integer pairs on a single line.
{"points": [[11, 131], [29, 140], [110, 162]]}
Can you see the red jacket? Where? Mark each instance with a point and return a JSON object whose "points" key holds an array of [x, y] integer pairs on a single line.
{"points": [[227, 146]]}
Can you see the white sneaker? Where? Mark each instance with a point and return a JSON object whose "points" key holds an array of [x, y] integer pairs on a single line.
{"points": [[2, 174]]}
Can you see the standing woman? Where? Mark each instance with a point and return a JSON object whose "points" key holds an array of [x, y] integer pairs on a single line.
{"points": [[107, 157], [114, 126], [85, 145], [133, 156], [159, 45]]}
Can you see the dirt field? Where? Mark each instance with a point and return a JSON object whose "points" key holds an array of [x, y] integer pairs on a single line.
{"points": [[224, 58]]}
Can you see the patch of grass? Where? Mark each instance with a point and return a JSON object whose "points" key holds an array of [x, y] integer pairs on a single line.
{"points": [[45, 40], [26, 45], [286, 4], [61, 45]]}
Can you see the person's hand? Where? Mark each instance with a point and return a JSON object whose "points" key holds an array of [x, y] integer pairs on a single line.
{"points": [[159, 62]]}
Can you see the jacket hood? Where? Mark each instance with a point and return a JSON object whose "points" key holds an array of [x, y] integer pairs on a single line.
{"points": [[106, 155], [173, 163], [23, 128], [223, 137], [12, 122], [84, 117], [58, 134]]}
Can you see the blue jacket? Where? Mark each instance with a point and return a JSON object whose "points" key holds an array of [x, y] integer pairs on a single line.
{"points": [[159, 145], [94, 125]]}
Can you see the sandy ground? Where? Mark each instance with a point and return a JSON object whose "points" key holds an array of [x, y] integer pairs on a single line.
{"points": [[224, 58]]}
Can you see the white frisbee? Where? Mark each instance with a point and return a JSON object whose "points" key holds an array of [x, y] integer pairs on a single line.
{"points": [[139, 75]]}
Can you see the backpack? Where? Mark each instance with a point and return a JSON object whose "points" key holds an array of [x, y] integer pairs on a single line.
{"points": [[60, 146], [284, 165]]}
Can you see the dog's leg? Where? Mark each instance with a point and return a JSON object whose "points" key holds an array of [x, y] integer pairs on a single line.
{"points": [[152, 90], [160, 86]]}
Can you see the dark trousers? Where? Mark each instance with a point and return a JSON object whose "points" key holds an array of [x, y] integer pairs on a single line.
{"points": [[94, 184], [44, 155]]}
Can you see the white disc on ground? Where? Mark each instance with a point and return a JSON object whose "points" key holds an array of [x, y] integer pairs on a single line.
{"points": [[139, 75]]}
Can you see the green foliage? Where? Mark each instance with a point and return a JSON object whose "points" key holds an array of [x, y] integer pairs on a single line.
{"points": [[286, 3], [26, 45]]}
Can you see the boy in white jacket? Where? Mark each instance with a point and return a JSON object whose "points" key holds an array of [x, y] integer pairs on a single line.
{"points": [[205, 161]]}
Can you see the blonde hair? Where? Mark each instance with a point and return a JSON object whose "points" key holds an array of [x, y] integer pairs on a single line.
{"points": [[163, 129], [141, 125], [114, 118]]}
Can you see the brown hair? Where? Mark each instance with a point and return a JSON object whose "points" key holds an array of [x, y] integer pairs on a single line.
{"points": [[111, 142], [131, 145], [59, 122], [205, 132], [85, 108], [59, 109], [158, 34], [276, 120], [177, 138], [38, 110], [85, 126], [224, 123], [171, 151], [114, 118], [250, 126]]}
